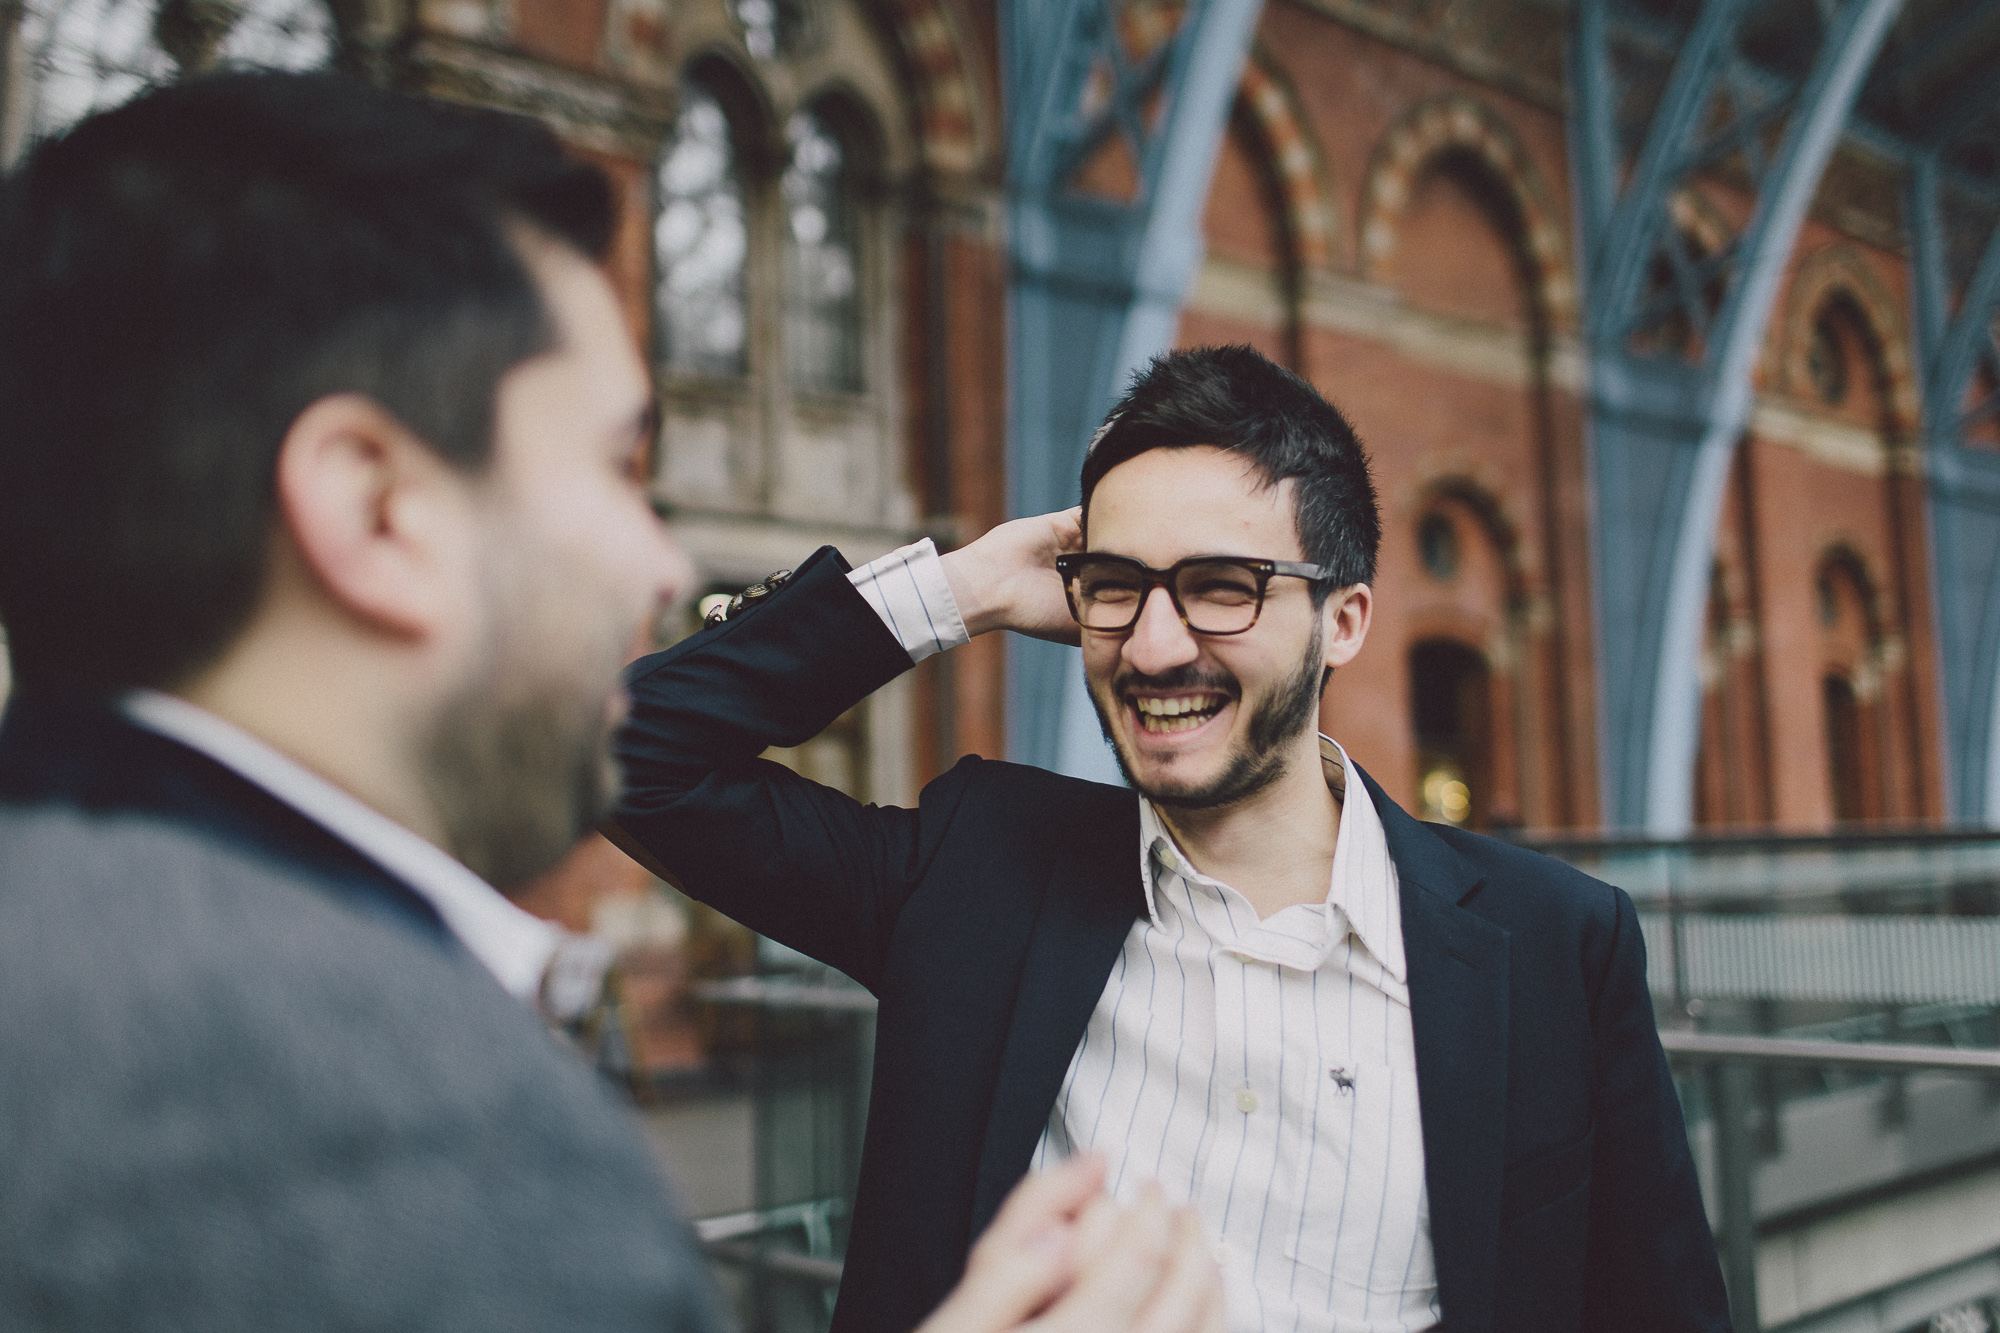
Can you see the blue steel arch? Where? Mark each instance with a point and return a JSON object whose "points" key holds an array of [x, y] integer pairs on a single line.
{"points": [[1096, 284], [1665, 419], [1963, 483]]}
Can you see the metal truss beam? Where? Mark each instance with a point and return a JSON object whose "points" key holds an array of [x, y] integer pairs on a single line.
{"points": [[1097, 283], [1941, 43], [1656, 39], [1976, 99], [1670, 379], [1964, 490]]}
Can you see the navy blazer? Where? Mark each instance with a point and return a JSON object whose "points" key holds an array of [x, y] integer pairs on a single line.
{"points": [[1562, 1192]]}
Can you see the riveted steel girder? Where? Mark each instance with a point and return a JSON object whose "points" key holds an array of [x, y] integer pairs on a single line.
{"points": [[1097, 283], [1954, 339], [1672, 331]]}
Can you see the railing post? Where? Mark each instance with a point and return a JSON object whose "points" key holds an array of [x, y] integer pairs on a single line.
{"points": [[1729, 1097]]}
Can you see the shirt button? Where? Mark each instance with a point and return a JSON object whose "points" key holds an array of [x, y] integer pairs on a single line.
{"points": [[1246, 1101]]}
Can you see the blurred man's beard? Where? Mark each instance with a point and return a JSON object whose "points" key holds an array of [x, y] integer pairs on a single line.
{"points": [[1261, 757], [519, 763]]}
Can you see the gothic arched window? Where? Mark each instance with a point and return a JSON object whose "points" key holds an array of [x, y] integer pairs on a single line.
{"points": [[280, 34], [702, 240], [822, 260], [87, 54], [772, 258], [81, 56]]}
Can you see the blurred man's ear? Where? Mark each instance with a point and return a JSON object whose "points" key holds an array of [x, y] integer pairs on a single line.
{"points": [[1348, 612], [376, 517]]}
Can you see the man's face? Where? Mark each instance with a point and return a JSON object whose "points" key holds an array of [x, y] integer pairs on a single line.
{"points": [[571, 567], [1204, 720]]}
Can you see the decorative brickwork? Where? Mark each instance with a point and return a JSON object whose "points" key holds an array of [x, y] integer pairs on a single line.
{"points": [[1483, 491], [1295, 161], [948, 106], [1454, 121], [1700, 220], [1835, 271]]}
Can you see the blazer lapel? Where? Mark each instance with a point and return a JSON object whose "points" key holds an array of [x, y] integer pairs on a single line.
{"points": [[1092, 898], [1458, 1010]]}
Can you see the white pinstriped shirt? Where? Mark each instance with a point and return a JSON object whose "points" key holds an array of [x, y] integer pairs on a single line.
{"points": [[1264, 1071]]}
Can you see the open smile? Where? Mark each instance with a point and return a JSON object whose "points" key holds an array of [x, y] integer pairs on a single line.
{"points": [[1162, 715]]}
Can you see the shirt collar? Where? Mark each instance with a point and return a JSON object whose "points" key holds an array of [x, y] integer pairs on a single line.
{"points": [[1364, 884], [514, 945]]}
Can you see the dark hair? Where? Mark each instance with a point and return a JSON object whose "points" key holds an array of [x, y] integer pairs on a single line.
{"points": [[1235, 399], [182, 277]]}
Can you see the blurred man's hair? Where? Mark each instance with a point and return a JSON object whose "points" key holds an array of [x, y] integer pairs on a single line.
{"points": [[182, 277], [1235, 399]]}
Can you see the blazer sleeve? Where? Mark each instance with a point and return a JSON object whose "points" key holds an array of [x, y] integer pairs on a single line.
{"points": [[800, 862], [1651, 1259]]}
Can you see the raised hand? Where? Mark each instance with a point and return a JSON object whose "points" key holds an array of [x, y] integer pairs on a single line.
{"points": [[1061, 1257], [1007, 579]]}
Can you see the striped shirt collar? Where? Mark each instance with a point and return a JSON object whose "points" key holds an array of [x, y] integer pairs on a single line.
{"points": [[1364, 884]]}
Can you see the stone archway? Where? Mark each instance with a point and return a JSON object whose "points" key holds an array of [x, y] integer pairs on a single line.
{"points": [[1836, 272], [1454, 121], [1295, 161]]}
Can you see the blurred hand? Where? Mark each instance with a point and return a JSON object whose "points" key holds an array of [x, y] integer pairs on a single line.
{"points": [[1007, 579], [1061, 1257]]}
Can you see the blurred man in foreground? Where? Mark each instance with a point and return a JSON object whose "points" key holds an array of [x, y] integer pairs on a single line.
{"points": [[322, 541]]}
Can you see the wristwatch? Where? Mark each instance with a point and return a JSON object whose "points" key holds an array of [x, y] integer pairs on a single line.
{"points": [[748, 598]]}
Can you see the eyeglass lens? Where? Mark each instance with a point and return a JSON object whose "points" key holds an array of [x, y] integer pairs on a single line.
{"points": [[1216, 596]]}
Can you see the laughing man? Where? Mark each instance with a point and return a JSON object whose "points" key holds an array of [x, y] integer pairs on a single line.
{"points": [[1408, 1076]]}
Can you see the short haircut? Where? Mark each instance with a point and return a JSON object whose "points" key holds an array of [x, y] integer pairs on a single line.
{"points": [[182, 277], [1236, 399]]}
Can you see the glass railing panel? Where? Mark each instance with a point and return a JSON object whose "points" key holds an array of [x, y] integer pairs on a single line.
{"points": [[807, 1040]]}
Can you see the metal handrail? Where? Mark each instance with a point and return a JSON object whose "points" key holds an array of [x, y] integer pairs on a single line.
{"points": [[743, 1239], [1561, 844], [770, 993], [812, 1216], [1725, 1059], [1795, 1050], [806, 1268]]}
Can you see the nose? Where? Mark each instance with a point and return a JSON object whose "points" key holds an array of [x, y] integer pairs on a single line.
{"points": [[673, 572], [1159, 642]]}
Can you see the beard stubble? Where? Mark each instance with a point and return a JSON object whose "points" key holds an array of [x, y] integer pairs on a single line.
{"points": [[519, 762], [1260, 759]]}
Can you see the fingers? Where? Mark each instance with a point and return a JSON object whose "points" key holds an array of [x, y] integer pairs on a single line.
{"points": [[1117, 1279], [1058, 1194], [1005, 1286], [1027, 1256], [1062, 1257], [1069, 528], [1189, 1299], [1006, 580], [1096, 1227]]}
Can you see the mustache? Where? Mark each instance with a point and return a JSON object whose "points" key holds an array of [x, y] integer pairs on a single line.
{"points": [[1188, 679]]}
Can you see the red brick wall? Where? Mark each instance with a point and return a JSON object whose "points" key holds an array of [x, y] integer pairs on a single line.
{"points": [[1509, 447], [1449, 250]]}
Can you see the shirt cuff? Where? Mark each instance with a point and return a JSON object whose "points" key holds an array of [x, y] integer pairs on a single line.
{"points": [[908, 589]]}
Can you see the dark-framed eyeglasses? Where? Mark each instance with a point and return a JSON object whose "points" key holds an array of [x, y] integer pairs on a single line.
{"points": [[1212, 594]]}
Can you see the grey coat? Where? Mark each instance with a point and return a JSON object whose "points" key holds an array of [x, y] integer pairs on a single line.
{"points": [[235, 1096]]}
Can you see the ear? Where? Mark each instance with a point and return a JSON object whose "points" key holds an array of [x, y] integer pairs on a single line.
{"points": [[1347, 612], [377, 518]]}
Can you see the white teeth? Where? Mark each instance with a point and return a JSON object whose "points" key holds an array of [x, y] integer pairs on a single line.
{"points": [[1192, 703], [1182, 713]]}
